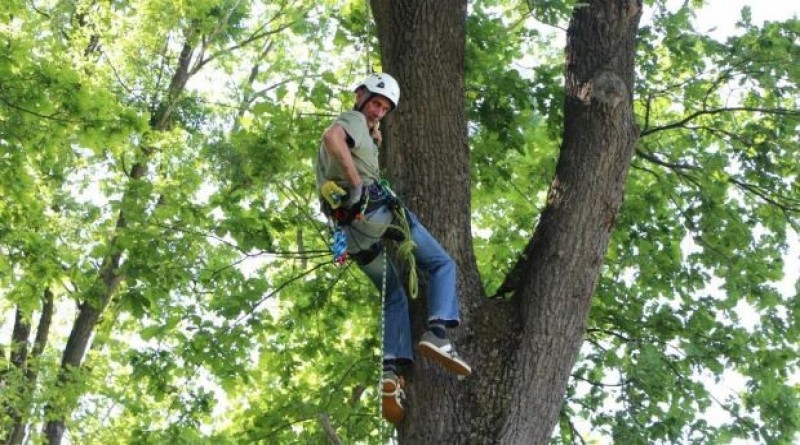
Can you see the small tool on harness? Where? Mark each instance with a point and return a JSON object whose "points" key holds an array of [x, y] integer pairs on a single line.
{"points": [[333, 199], [334, 196], [339, 246]]}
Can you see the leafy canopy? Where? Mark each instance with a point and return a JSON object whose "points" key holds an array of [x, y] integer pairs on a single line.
{"points": [[232, 325]]}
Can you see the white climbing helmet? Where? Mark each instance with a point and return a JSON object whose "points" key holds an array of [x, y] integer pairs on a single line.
{"points": [[383, 84]]}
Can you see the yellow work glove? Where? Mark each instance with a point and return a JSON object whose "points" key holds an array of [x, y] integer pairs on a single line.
{"points": [[334, 194]]}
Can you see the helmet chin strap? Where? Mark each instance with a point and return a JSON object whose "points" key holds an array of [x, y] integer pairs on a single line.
{"points": [[359, 106]]}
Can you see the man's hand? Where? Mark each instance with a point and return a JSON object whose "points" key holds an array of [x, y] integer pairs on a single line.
{"points": [[354, 195], [377, 137]]}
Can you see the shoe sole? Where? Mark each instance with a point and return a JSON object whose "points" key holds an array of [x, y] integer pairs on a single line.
{"points": [[453, 365], [391, 408]]}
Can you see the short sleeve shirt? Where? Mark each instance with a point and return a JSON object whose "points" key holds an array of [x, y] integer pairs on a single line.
{"points": [[361, 234], [364, 152]]}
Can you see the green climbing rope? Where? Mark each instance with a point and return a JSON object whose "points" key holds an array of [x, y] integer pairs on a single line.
{"points": [[405, 248]]}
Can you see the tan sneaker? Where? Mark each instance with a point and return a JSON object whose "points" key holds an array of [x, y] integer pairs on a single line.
{"points": [[392, 397], [441, 351]]}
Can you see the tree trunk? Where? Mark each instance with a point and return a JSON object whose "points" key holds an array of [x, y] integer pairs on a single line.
{"points": [[110, 274], [522, 348], [17, 433], [427, 158], [97, 298], [557, 275], [19, 361]]}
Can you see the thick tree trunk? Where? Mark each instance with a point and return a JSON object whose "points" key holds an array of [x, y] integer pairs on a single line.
{"points": [[557, 275], [523, 348], [426, 155]]}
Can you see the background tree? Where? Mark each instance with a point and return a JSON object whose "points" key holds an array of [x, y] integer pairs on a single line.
{"points": [[112, 153]]}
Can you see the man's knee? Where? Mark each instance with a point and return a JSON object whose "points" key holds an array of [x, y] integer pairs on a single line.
{"points": [[368, 255]]}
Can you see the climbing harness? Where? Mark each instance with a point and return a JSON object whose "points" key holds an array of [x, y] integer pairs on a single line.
{"points": [[375, 196], [401, 234]]}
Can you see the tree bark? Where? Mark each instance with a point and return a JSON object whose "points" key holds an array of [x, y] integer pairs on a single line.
{"points": [[19, 340], [426, 155], [19, 361], [558, 272], [523, 347], [17, 433], [97, 298]]}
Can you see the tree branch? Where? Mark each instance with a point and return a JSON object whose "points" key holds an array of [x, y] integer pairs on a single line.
{"points": [[673, 166], [789, 205], [116, 75], [51, 117], [695, 115], [600, 384], [572, 430], [257, 35], [786, 204], [325, 421], [283, 285]]}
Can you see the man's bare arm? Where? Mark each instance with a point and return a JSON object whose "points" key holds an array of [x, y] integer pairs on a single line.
{"points": [[335, 142]]}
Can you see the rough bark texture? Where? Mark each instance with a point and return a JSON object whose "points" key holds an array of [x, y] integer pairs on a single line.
{"points": [[427, 157], [558, 273], [523, 347]]}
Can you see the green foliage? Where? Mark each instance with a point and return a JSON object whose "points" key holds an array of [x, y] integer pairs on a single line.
{"points": [[204, 227], [512, 155], [230, 324]]}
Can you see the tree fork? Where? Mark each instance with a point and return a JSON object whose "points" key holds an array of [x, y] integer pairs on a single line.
{"points": [[522, 348]]}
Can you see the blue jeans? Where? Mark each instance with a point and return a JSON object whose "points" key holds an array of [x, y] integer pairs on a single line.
{"points": [[442, 298]]}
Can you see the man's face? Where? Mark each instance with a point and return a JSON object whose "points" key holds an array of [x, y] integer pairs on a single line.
{"points": [[376, 108]]}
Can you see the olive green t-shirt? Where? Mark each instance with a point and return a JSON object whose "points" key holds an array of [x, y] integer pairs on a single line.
{"points": [[364, 152], [361, 234]]}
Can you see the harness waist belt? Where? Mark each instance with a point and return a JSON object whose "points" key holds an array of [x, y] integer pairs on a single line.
{"points": [[379, 197]]}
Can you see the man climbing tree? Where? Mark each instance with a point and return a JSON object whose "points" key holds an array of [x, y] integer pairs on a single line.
{"points": [[369, 212], [199, 292]]}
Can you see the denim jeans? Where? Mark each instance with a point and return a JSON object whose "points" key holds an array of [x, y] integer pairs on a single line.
{"points": [[431, 259]]}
